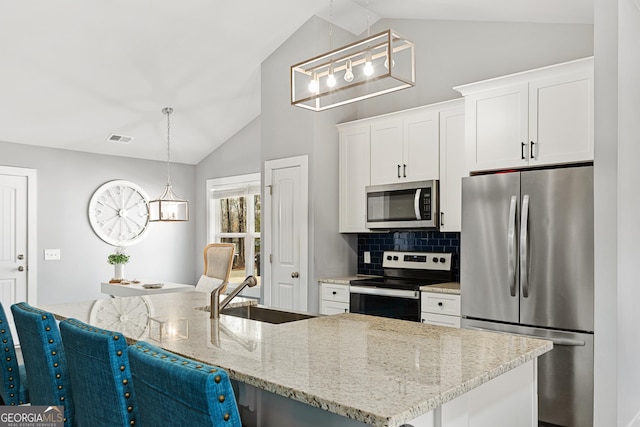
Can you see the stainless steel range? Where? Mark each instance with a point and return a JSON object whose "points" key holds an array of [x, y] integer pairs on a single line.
{"points": [[397, 293]]}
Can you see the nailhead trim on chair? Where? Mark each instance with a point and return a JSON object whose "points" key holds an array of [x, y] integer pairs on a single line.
{"points": [[5, 340], [119, 353], [189, 364], [51, 341]]}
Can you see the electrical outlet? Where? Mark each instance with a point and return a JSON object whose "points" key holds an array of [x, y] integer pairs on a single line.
{"points": [[367, 257], [51, 254]]}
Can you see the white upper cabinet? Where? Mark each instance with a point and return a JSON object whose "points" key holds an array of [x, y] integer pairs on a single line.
{"points": [[413, 145], [452, 167], [405, 148], [534, 118], [354, 177]]}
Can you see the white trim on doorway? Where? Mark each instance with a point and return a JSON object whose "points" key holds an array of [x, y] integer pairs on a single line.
{"points": [[32, 222]]}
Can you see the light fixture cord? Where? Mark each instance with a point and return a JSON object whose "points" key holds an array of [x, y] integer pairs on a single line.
{"points": [[368, 19], [331, 25], [168, 147]]}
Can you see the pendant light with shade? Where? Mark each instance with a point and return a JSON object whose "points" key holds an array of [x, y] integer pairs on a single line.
{"points": [[168, 207]]}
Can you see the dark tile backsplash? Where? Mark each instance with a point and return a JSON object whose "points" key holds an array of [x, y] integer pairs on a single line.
{"points": [[418, 241]]}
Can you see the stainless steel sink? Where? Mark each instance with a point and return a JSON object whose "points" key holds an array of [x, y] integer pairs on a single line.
{"points": [[263, 314]]}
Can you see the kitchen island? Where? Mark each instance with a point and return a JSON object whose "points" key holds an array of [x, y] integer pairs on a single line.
{"points": [[348, 369]]}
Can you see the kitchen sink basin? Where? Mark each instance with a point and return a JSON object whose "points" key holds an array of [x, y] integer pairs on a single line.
{"points": [[262, 314]]}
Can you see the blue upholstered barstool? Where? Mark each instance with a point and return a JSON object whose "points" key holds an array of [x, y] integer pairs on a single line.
{"points": [[100, 375], [44, 359], [171, 388], [14, 389]]}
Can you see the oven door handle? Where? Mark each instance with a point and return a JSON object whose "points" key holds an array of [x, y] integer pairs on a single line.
{"points": [[398, 293]]}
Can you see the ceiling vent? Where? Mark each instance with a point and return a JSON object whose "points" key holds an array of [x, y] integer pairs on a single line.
{"points": [[122, 139]]}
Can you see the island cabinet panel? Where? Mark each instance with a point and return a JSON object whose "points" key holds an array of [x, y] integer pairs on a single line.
{"points": [[412, 145], [506, 401], [534, 118]]}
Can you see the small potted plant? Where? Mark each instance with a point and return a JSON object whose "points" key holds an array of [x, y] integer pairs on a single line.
{"points": [[118, 259]]}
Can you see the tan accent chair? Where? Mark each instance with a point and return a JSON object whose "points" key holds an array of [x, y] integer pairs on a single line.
{"points": [[218, 260]]}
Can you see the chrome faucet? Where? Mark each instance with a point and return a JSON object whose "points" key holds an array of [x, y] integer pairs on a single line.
{"points": [[217, 306]]}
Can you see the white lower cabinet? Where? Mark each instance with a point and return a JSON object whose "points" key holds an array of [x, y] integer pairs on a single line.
{"points": [[334, 298], [440, 309]]}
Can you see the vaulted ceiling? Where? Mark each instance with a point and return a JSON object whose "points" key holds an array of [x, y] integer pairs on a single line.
{"points": [[73, 72]]}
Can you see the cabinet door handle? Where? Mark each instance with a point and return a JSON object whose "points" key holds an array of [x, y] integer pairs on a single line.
{"points": [[532, 144], [398, 171], [404, 171], [522, 145], [441, 218]]}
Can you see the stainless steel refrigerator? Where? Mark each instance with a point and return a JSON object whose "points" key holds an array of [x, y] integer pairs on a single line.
{"points": [[527, 268]]}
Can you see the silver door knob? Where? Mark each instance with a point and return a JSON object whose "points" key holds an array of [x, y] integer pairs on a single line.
{"points": [[21, 268], [295, 275], [21, 257]]}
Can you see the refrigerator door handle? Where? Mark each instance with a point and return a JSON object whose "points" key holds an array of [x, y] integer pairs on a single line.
{"points": [[511, 246], [524, 256], [555, 341]]}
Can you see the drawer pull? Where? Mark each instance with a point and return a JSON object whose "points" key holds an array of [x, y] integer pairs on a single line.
{"points": [[334, 293], [440, 304]]}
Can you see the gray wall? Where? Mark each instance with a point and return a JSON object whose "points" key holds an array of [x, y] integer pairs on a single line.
{"points": [[66, 182], [237, 156], [617, 371], [451, 53], [628, 293], [606, 213]]}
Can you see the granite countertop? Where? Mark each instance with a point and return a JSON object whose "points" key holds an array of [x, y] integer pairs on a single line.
{"points": [[444, 288], [345, 280], [383, 372]]}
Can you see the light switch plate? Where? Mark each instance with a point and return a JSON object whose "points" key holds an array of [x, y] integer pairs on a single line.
{"points": [[51, 254], [367, 257]]}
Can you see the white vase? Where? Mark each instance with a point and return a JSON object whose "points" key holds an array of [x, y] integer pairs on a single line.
{"points": [[118, 273]]}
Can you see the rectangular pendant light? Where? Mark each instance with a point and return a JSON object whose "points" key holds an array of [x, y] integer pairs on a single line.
{"points": [[379, 64]]}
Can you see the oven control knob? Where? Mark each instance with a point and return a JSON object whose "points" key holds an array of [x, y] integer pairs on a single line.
{"points": [[395, 257], [443, 260], [389, 257], [435, 259]]}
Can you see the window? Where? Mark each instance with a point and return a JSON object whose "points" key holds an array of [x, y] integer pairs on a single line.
{"points": [[234, 217]]}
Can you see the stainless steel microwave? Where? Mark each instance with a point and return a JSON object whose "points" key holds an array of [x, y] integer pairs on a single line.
{"points": [[403, 205]]}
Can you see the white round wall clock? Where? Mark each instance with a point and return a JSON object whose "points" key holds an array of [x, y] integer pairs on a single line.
{"points": [[119, 212]]}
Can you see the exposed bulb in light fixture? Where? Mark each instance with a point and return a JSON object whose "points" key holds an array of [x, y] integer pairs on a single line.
{"points": [[348, 75], [331, 79], [314, 87], [386, 63], [368, 68]]}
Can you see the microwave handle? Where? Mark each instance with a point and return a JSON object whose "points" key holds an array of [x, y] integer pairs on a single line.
{"points": [[416, 204]]}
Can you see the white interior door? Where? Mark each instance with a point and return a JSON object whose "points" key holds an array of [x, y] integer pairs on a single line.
{"points": [[14, 239], [286, 233]]}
